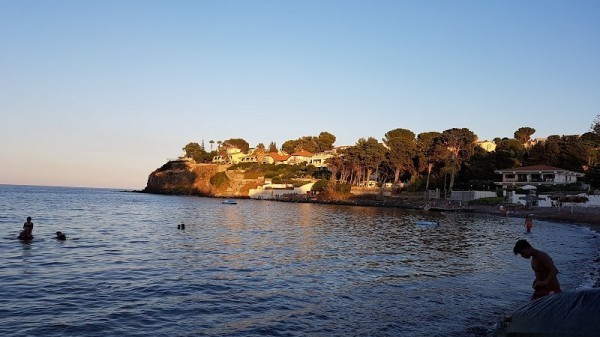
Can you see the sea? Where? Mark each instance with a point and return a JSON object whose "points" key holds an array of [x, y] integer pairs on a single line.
{"points": [[265, 268]]}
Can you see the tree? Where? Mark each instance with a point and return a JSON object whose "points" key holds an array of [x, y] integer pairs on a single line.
{"points": [[370, 155], [312, 144], [552, 150], [478, 171], [574, 153], [595, 128], [592, 143], [428, 153], [513, 148], [272, 147], [259, 152], [458, 145], [592, 176], [194, 151], [336, 165], [239, 143], [523, 134], [402, 147], [325, 141], [289, 146]]}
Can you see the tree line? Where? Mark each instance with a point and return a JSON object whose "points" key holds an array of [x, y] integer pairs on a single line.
{"points": [[448, 160]]}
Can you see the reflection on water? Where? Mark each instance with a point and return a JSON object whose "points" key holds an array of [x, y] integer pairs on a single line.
{"points": [[263, 268]]}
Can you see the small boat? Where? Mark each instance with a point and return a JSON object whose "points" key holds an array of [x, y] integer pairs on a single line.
{"points": [[229, 202], [427, 223]]}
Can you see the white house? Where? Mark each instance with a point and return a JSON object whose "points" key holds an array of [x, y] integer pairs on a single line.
{"points": [[536, 175], [299, 157], [318, 160]]}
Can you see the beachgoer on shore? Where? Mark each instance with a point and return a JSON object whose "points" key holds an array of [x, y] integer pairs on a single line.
{"points": [[546, 281], [27, 232], [528, 223]]}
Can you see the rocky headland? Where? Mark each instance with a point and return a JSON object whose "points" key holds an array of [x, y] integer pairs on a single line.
{"points": [[185, 177]]}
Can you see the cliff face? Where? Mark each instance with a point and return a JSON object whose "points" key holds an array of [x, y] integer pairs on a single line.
{"points": [[183, 177]]}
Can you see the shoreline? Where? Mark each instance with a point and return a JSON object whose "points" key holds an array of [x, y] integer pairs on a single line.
{"points": [[588, 217], [580, 216]]}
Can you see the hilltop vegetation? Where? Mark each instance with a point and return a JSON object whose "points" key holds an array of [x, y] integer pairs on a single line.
{"points": [[448, 160]]}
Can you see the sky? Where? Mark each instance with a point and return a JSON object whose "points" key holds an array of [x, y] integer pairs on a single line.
{"points": [[101, 93]]}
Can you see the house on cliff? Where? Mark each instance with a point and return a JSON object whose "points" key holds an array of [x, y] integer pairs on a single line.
{"points": [[299, 157], [233, 155], [276, 157]]}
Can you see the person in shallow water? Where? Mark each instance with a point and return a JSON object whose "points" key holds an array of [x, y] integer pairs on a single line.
{"points": [[545, 282], [27, 232], [528, 223], [60, 236]]}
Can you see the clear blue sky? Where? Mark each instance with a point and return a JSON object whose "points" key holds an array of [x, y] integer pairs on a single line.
{"points": [[101, 93]]}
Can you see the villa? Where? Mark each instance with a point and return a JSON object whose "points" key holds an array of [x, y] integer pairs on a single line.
{"points": [[536, 175]]}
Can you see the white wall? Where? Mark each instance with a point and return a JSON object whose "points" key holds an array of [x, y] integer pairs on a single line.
{"points": [[260, 193], [471, 195]]}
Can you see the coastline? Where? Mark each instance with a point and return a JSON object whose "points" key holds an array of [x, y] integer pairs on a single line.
{"points": [[581, 216], [588, 217]]}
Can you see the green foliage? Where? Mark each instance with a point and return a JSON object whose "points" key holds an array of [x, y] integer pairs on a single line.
{"points": [[320, 186], [402, 147], [219, 179], [523, 135], [342, 188], [239, 143], [557, 188], [322, 174], [325, 141], [595, 128], [272, 147], [457, 145], [426, 161], [242, 166], [311, 144], [592, 176], [196, 152]]}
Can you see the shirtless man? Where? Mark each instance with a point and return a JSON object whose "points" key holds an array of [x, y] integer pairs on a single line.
{"points": [[546, 282]]}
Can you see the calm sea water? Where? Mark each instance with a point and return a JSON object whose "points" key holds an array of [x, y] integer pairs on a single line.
{"points": [[263, 268]]}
